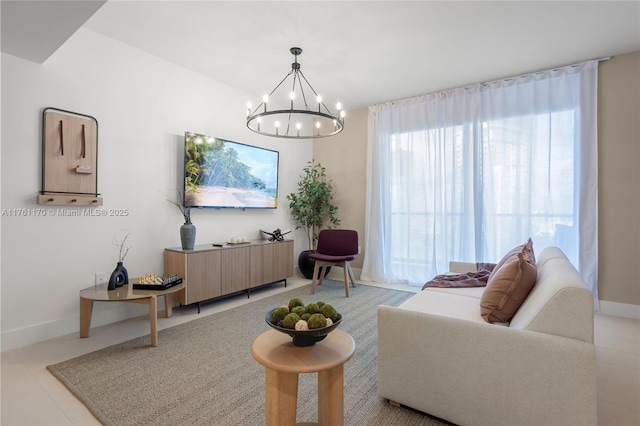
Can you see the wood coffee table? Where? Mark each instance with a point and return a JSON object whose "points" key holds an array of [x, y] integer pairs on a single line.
{"points": [[283, 363], [127, 293]]}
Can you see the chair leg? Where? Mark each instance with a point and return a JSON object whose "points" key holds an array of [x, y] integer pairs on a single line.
{"points": [[346, 280], [323, 269], [313, 279], [353, 280]]}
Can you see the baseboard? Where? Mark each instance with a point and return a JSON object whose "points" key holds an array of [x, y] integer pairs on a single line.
{"points": [[625, 310], [103, 313]]}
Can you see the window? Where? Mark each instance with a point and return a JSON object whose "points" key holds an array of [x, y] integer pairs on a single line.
{"points": [[470, 173]]}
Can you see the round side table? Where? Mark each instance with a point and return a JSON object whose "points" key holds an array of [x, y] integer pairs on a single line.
{"points": [[283, 363], [127, 293]]}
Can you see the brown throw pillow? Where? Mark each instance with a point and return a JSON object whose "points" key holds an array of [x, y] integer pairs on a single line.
{"points": [[508, 288], [526, 249]]}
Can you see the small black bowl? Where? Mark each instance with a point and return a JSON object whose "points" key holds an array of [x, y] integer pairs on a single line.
{"points": [[306, 337]]}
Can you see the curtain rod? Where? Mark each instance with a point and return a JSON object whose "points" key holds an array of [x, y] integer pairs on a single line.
{"points": [[470, 86], [602, 59]]}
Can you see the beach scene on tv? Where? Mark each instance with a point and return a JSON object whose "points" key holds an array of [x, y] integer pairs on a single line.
{"points": [[225, 174]]}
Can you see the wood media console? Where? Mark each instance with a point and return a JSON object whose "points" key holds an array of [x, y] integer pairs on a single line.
{"points": [[210, 272]]}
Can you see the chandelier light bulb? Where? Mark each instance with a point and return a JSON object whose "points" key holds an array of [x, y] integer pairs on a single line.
{"points": [[317, 124], [265, 98], [298, 126], [339, 106], [249, 105], [292, 96], [342, 114], [319, 99], [277, 124]]}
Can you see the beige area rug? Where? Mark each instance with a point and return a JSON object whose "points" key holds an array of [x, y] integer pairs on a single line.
{"points": [[202, 372]]}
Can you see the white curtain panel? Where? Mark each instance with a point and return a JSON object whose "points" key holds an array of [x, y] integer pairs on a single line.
{"points": [[468, 174]]}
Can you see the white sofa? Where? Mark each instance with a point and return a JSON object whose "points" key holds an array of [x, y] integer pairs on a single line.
{"points": [[437, 354]]}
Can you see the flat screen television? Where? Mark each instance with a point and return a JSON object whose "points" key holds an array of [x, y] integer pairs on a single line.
{"points": [[223, 174]]}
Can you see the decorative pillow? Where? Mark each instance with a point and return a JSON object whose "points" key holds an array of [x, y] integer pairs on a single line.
{"points": [[507, 288], [526, 249]]}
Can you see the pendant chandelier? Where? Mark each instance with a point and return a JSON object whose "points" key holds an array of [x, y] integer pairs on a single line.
{"points": [[307, 116]]}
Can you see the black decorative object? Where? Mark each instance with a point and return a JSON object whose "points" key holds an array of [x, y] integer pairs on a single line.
{"points": [[306, 265], [276, 235], [305, 337], [119, 277]]}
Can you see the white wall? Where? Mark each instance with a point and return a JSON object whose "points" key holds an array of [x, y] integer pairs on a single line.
{"points": [[143, 106]]}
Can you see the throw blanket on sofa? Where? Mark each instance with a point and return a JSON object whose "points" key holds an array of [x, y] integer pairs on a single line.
{"points": [[470, 279]]}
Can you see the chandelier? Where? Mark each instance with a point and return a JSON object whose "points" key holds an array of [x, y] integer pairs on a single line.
{"points": [[306, 118]]}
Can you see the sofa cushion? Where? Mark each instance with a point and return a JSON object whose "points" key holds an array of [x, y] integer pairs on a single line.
{"points": [[475, 292], [508, 288], [444, 305], [526, 249]]}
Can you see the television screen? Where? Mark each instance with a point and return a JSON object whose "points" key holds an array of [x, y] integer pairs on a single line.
{"points": [[223, 174]]}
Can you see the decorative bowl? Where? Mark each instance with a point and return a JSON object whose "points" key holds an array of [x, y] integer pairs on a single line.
{"points": [[305, 337]]}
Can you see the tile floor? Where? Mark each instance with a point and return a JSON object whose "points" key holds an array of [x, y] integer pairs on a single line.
{"points": [[32, 396]]}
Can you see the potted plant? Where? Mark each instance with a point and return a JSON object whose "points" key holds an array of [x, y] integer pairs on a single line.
{"points": [[312, 208], [188, 229]]}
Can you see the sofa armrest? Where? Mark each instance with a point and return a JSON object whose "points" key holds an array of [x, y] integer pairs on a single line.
{"points": [[462, 267], [475, 373]]}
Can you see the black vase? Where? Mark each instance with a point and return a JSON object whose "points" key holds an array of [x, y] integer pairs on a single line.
{"points": [[119, 277], [306, 265]]}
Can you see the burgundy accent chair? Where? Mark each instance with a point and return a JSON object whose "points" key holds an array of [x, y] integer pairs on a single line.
{"points": [[336, 247]]}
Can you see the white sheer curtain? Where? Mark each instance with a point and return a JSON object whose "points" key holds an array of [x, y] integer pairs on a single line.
{"points": [[467, 174]]}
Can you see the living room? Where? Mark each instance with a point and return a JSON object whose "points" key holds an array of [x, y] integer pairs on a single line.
{"points": [[144, 104]]}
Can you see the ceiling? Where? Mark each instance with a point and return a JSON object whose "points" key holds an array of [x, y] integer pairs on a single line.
{"points": [[33, 30], [361, 52]]}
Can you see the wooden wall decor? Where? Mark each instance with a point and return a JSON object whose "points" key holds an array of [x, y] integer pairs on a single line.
{"points": [[69, 159]]}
